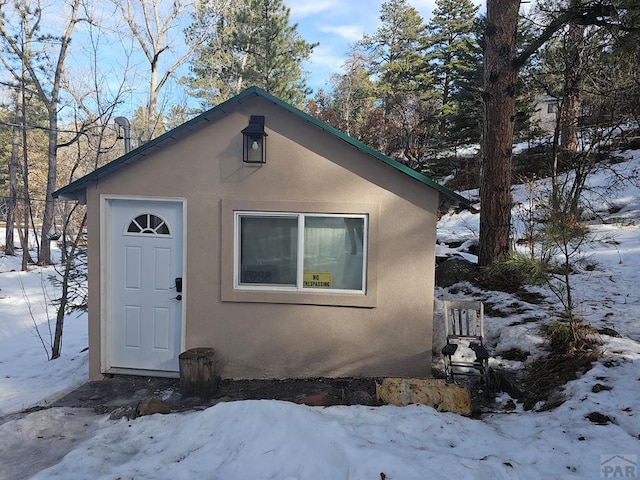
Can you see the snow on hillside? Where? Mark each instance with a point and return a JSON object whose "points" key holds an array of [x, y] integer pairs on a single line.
{"points": [[273, 439], [26, 377]]}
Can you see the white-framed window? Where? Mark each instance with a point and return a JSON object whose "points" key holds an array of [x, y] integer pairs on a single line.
{"points": [[300, 251], [147, 224]]}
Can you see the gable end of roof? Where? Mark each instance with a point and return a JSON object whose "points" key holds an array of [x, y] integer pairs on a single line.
{"points": [[76, 189]]}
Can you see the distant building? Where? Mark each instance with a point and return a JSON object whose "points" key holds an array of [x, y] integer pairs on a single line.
{"points": [[546, 112]]}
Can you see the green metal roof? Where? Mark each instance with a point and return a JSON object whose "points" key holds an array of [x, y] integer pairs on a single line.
{"points": [[76, 189]]}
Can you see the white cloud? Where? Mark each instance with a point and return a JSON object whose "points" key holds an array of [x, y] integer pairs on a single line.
{"points": [[324, 62], [351, 33], [327, 58]]}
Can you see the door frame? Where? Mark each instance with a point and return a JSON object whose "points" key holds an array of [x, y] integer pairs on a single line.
{"points": [[105, 283]]}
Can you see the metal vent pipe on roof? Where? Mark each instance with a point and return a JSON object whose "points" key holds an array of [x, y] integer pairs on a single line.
{"points": [[123, 122]]}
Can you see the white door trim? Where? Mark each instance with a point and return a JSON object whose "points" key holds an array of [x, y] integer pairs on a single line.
{"points": [[105, 289]]}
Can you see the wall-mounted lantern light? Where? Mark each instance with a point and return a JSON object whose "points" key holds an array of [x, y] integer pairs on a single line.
{"points": [[253, 141]]}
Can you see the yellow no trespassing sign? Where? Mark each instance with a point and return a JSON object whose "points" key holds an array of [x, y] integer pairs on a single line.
{"points": [[317, 280]]}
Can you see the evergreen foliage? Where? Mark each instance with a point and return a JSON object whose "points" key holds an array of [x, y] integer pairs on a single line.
{"points": [[254, 44], [511, 273], [396, 64], [454, 59]]}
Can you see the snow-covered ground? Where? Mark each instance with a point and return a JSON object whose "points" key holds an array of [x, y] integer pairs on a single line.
{"points": [[280, 440]]}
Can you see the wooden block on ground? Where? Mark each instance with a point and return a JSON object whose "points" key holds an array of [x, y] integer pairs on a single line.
{"points": [[198, 373]]}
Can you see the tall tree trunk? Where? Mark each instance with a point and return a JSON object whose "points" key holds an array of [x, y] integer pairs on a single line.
{"points": [[24, 242], [446, 93], [243, 67], [44, 256], [153, 117], [26, 207], [500, 74], [570, 111], [24, 238], [9, 244]]}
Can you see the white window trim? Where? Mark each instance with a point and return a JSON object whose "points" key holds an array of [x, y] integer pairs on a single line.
{"points": [[300, 216]]}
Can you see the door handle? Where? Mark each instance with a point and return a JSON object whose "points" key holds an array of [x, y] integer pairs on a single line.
{"points": [[179, 284]]}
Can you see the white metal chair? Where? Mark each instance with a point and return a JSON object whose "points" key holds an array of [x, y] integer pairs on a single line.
{"points": [[465, 352]]}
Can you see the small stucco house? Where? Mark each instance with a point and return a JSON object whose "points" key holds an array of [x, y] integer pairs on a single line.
{"points": [[291, 249], [546, 112]]}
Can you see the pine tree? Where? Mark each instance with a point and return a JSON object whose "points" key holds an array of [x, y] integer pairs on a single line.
{"points": [[254, 45], [397, 61], [211, 77], [454, 58]]}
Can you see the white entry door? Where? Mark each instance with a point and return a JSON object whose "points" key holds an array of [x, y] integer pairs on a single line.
{"points": [[145, 259]]}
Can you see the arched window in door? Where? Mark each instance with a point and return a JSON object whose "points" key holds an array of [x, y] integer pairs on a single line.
{"points": [[148, 224]]}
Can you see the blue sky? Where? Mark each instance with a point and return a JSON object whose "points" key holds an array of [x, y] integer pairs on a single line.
{"points": [[336, 24]]}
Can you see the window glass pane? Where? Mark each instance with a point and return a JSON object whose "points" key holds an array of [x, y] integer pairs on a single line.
{"points": [[154, 222], [333, 252], [162, 229], [142, 220], [134, 228], [150, 224], [268, 250]]}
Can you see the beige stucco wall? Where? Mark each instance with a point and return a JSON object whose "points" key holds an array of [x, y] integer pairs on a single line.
{"points": [[546, 120], [389, 334]]}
